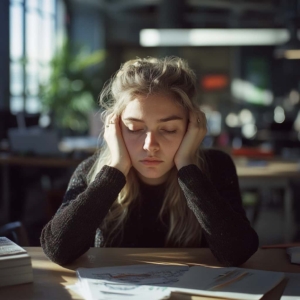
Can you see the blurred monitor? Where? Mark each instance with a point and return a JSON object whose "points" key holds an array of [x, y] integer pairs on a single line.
{"points": [[34, 140]]}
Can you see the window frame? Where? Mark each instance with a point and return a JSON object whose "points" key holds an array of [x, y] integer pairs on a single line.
{"points": [[25, 62]]}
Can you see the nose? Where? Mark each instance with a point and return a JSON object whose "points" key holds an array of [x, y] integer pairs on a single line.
{"points": [[151, 144]]}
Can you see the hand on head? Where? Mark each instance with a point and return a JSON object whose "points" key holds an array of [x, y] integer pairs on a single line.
{"points": [[195, 133], [113, 136]]}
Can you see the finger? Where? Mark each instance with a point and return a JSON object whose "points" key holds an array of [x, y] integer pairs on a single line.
{"points": [[114, 119], [112, 124], [108, 118], [111, 119], [201, 119], [194, 119]]}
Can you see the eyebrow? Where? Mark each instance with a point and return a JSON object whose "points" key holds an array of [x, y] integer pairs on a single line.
{"points": [[170, 118]]}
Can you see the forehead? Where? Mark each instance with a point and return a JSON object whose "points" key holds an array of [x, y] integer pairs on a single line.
{"points": [[158, 106]]}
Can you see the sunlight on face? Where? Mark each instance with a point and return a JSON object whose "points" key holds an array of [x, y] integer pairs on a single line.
{"points": [[153, 128]]}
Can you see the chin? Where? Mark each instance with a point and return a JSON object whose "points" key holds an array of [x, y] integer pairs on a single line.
{"points": [[152, 174]]}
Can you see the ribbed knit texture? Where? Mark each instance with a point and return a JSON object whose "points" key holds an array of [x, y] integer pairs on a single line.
{"points": [[214, 199]]}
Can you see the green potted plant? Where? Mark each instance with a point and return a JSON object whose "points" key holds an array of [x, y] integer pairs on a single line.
{"points": [[70, 94]]}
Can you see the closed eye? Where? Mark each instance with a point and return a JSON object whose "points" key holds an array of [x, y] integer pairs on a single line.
{"points": [[134, 131], [140, 130], [169, 131]]}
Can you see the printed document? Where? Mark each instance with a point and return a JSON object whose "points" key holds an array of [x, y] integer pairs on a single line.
{"points": [[159, 281]]}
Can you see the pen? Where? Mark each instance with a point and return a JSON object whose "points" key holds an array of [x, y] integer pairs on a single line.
{"points": [[239, 277]]}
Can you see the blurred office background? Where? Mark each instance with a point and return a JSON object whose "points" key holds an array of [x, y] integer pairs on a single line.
{"points": [[55, 56]]}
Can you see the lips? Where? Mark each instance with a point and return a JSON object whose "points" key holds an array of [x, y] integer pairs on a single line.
{"points": [[151, 161]]}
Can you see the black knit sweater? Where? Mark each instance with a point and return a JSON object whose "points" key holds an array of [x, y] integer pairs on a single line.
{"points": [[215, 201]]}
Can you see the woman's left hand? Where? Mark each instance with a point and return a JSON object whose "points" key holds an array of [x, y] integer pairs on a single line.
{"points": [[191, 141]]}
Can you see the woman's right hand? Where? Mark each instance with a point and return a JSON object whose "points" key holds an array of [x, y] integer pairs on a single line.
{"points": [[120, 158]]}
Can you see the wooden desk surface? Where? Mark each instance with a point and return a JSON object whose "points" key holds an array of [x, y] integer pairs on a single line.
{"points": [[50, 279], [38, 161], [272, 169]]}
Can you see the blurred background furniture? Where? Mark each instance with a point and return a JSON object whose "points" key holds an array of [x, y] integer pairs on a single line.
{"points": [[27, 189], [271, 174], [16, 232]]}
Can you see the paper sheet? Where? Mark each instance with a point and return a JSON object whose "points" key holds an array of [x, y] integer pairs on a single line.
{"points": [[292, 289], [246, 284], [130, 282], [158, 281]]}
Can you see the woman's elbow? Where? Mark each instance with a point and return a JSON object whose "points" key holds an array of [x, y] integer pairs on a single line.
{"points": [[55, 250], [239, 254]]}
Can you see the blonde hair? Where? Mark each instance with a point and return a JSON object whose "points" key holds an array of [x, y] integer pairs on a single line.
{"points": [[141, 77]]}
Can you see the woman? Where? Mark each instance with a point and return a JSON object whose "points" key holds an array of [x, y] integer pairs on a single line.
{"points": [[150, 185]]}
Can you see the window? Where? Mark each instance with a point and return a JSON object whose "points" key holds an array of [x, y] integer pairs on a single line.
{"points": [[33, 32]]}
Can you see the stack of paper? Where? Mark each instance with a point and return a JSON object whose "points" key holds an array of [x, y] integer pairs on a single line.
{"points": [[158, 282], [15, 264], [294, 253]]}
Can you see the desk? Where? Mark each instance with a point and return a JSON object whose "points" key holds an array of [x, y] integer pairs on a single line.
{"points": [[50, 279], [275, 174], [7, 160]]}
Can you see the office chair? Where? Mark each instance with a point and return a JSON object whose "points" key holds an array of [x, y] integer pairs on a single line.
{"points": [[16, 232]]}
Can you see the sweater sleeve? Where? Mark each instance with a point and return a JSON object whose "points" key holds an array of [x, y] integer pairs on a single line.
{"points": [[71, 232], [216, 202]]}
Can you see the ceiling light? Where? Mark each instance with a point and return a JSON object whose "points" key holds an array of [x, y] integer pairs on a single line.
{"points": [[212, 37]]}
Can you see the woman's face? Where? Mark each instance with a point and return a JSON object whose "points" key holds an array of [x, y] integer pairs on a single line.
{"points": [[153, 129]]}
